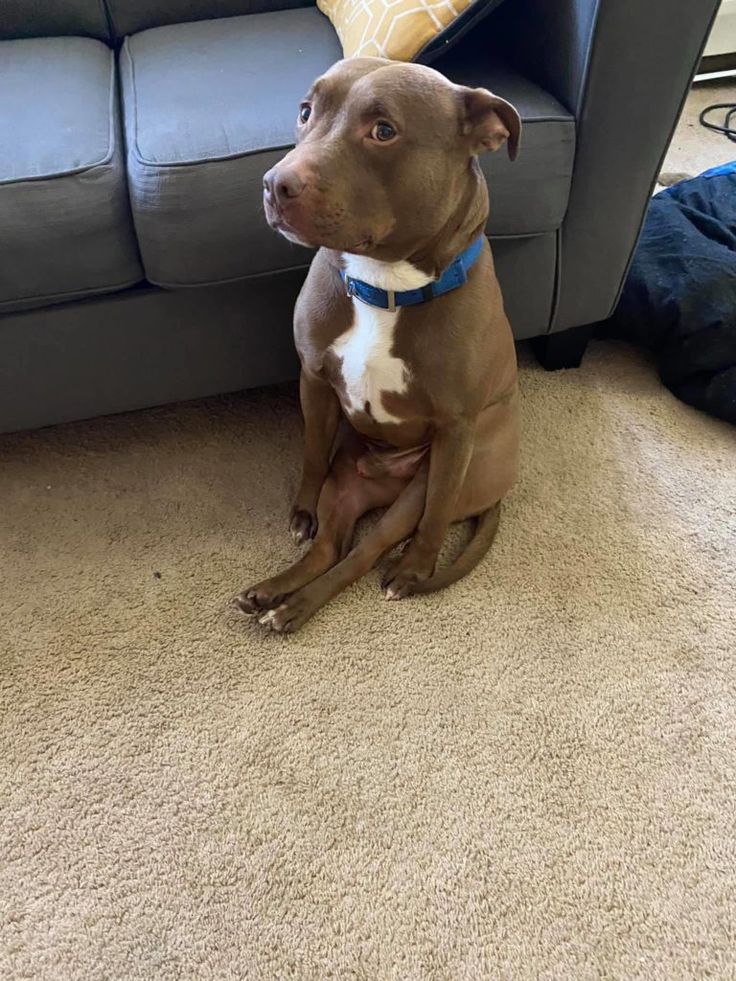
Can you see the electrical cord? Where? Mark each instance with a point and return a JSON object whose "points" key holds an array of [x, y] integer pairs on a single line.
{"points": [[727, 129]]}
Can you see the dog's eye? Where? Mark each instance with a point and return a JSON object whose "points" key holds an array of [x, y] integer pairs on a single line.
{"points": [[383, 131], [305, 112]]}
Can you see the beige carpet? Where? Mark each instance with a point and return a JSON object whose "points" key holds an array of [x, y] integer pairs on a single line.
{"points": [[695, 148], [529, 776]]}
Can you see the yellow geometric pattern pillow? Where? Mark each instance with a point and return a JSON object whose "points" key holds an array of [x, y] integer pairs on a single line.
{"points": [[396, 29]]}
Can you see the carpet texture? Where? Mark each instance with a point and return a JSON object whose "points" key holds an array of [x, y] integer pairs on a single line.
{"points": [[695, 148], [529, 776]]}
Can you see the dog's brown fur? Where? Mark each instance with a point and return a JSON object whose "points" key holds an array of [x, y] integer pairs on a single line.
{"points": [[450, 451]]}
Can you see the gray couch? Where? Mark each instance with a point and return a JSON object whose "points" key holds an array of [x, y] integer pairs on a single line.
{"points": [[135, 264]]}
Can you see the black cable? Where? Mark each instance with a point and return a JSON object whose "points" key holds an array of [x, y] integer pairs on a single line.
{"points": [[727, 129]]}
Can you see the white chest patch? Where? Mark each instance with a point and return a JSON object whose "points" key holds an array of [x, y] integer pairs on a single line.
{"points": [[368, 367]]}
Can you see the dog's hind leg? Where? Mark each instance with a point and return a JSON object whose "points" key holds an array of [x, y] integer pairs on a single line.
{"points": [[399, 521], [345, 497]]}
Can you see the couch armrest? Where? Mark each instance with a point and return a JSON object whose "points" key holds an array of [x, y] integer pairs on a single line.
{"points": [[550, 41], [624, 68]]}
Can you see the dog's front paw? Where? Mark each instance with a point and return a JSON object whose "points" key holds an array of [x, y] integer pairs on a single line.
{"points": [[303, 525], [258, 599], [292, 614]]}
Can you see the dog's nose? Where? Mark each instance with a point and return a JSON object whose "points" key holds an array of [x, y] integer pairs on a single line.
{"points": [[283, 184]]}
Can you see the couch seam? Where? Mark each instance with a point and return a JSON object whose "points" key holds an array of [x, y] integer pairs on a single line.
{"points": [[125, 50], [109, 20], [557, 284], [588, 59], [242, 154], [205, 284], [578, 115], [6, 306], [109, 153]]}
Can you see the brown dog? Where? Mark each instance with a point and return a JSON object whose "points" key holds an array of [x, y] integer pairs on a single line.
{"points": [[408, 382]]}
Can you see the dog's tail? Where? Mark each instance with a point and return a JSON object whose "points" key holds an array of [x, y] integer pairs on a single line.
{"points": [[485, 532]]}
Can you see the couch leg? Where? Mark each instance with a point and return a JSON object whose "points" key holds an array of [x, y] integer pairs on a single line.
{"points": [[564, 349]]}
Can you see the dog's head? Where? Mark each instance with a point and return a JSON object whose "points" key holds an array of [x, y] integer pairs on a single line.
{"points": [[385, 157]]}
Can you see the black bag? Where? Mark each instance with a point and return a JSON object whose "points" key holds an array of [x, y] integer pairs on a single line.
{"points": [[679, 298]]}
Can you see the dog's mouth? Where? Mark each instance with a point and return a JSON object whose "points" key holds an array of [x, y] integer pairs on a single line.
{"points": [[285, 229], [311, 238], [299, 238]]}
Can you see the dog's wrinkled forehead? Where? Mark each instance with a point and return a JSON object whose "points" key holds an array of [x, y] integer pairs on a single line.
{"points": [[376, 86]]}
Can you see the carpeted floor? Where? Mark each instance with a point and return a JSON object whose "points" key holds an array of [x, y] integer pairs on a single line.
{"points": [[529, 776], [694, 148]]}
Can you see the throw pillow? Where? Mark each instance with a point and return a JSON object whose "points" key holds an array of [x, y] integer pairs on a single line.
{"points": [[403, 30]]}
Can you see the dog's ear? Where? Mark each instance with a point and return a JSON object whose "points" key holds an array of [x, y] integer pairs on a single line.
{"points": [[490, 121]]}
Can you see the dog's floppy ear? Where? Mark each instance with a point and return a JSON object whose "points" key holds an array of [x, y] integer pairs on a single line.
{"points": [[490, 121]]}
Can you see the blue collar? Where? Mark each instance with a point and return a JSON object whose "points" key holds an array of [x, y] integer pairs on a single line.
{"points": [[455, 275]]}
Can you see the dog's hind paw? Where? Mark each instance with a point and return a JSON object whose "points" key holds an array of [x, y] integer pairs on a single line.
{"points": [[399, 588], [405, 572]]}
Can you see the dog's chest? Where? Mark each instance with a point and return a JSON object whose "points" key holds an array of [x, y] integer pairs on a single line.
{"points": [[368, 362]]}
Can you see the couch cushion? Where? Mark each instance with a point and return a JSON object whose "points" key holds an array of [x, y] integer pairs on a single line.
{"points": [[66, 227], [131, 16], [210, 106], [53, 18]]}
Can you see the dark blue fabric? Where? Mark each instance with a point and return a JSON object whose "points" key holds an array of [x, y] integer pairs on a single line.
{"points": [[455, 275], [679, 298]]}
